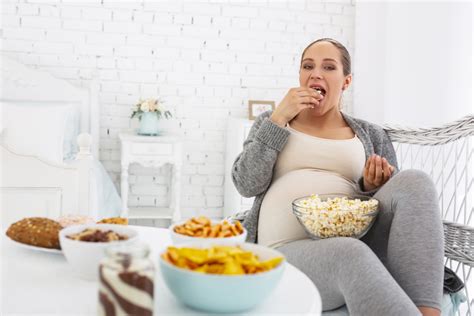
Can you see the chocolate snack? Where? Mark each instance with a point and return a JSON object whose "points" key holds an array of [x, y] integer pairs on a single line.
{"points": [[126, 284], [97, 235]]}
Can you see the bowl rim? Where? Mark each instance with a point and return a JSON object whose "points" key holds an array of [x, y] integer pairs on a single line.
{"points": [[131, 233], [301, 213], [333, 195], [217, 276], [172, 226]]}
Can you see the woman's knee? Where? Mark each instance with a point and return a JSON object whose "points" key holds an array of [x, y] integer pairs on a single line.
{"points": [[409, 190], [412, 176], [324, 251], [347, 249], [415, 181]]}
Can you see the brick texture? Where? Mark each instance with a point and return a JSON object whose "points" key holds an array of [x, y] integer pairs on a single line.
{"points": [[205, 59]]}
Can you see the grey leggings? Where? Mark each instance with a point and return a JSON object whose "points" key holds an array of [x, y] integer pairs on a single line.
{"points": [[395, 267]]}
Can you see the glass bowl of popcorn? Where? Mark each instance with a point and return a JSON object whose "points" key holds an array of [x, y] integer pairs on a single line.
{"points": [[329, 215]]}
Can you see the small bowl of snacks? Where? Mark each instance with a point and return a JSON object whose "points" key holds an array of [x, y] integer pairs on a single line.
{"points": [[325, 216], [84, 245], [221, 279], [203, 229]]}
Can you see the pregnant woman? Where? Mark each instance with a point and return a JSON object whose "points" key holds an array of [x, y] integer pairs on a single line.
{"points": [[307, 145]]}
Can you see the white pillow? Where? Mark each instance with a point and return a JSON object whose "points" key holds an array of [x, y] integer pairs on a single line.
{"points": [[35, 130]]}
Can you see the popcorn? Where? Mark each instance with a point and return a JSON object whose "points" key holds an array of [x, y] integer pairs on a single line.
{"points": [[335, 217]]}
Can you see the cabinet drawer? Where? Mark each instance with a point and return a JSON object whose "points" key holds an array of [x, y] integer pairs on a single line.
{"points": [[152, 149]]}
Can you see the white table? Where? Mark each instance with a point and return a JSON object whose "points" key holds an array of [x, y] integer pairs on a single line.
{"points": [[35, 282], [152, 152]]}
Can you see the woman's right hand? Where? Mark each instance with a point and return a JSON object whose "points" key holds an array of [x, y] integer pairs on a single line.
{"points": [[377, 172], [295, 101]]}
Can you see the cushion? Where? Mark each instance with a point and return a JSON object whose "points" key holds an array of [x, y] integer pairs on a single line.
{"points": [[33, 129], [449, 306]]}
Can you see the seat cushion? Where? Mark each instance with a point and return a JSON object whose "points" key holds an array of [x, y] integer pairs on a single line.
{"points": [[450, 305]]}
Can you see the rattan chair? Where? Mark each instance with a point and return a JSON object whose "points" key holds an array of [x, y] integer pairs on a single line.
{"points": [[446, 154]]}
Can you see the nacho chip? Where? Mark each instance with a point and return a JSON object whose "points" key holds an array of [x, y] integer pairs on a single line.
{"points": [[228, 260]]}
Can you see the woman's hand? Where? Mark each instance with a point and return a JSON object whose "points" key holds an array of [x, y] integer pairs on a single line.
{"points": [[296, 100], [377, 171]]}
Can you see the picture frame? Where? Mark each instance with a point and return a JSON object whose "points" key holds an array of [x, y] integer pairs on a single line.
{"points": [[257, 107]]}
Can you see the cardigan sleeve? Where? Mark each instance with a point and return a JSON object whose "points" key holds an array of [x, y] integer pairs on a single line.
{"points": [[252, 170], [384, 148]]}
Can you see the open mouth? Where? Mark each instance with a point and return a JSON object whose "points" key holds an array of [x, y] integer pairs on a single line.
{"points": [[319, 89]]}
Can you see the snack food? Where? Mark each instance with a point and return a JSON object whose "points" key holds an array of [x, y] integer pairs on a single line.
{"points": [[69, 220], [114, 220], [129, 272], [202, 227], [97, 235], [218, 260], [338, 216], [36, 231]]}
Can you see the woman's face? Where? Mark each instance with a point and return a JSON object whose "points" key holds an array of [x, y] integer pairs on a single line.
{"points": [[322, 68]]}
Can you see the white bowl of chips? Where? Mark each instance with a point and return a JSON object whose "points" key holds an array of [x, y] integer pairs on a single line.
{"points": [[329, 215], [204, 230], [84, 250], [221, 279]]}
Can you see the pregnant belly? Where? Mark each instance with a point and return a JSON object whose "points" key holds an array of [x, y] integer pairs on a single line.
{"points": [[277, 224]]}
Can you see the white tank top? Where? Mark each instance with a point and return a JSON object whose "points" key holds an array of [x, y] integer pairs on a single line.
{"points": [[306, 165]]}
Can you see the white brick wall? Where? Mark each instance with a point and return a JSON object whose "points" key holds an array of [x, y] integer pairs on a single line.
{"points": [[206, 59]]}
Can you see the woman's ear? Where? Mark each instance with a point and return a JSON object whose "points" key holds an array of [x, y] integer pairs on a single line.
{"points": [[347, 82]]}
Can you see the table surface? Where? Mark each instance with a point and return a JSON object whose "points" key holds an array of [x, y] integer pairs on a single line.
{"points": [[35, 282]]}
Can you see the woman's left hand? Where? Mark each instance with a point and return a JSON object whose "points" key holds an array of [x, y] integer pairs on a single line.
{"points": [[377, 171]]}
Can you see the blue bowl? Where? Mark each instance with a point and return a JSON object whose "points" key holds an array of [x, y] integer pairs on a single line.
{"points": [[223, 293]]}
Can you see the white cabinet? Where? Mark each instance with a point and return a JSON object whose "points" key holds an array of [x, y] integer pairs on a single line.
{"points": [[151, 149], [237, 132], [153, 152]]}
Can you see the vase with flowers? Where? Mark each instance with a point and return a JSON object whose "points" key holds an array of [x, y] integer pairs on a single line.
{"points": [[149, 112]]}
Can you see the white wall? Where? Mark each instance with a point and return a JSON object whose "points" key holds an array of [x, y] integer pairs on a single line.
{"points": [[206, 59], [413, 62]]}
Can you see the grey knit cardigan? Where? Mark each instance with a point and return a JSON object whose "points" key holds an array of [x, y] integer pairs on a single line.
{"points": [[252, 171]]}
